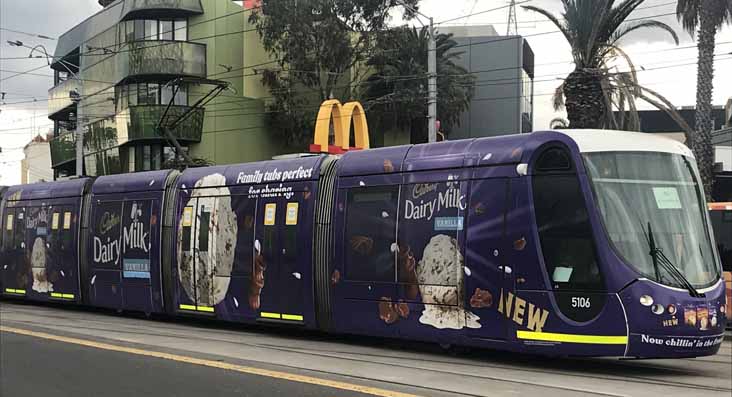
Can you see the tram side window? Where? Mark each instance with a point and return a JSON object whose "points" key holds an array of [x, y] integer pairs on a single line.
{"points": [[20, 229], [8, 224], [565, 233], [370, 233]]}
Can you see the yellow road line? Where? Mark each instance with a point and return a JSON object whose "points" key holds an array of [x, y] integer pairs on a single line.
{"points": [[214, 364], [573, 338]]}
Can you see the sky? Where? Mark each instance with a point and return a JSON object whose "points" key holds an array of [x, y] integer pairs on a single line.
{"points": [[669, 69]]}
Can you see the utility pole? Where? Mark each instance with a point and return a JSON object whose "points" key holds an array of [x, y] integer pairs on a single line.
{"points": [[79, 134], [74, 96], [432, 84], [512, 22], [431, 76]]}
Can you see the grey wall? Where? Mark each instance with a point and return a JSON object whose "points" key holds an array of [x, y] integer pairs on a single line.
{"points": [[495, 61]]}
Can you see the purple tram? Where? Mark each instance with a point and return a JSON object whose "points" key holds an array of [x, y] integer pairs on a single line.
{"points": [[585, 243]]}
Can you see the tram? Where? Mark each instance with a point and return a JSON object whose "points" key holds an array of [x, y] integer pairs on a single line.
{"points": [[577, 243]]}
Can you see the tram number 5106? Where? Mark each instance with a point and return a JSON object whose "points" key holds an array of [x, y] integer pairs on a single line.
{"points": [[581, 302]]}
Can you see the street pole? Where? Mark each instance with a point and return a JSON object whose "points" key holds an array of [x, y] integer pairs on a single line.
{"points": [[79, 135], [432, 84]]}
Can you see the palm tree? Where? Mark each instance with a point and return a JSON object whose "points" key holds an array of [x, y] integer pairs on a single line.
{"points": [[396, 93], [593, 30], [708, 16]]}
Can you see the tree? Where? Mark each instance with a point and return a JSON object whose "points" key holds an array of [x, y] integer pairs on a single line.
{"points": [[593, 30], [319, 46], [396, 93], [708, 16]]}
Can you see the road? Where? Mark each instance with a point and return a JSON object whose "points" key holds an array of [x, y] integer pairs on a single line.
{"points": [[54, 351]]}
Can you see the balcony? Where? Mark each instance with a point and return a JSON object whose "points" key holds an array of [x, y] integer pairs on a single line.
{"points": [[59, 99], [178, 58], [63, 149], [140, 123], [135, 8]]}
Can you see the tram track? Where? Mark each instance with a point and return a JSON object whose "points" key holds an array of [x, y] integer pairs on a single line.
{"points": [[391, 360], [513, 368], [329, 354]]}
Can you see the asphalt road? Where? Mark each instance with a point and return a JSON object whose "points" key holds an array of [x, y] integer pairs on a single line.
{"points": [[29, 367], [53, 351]]}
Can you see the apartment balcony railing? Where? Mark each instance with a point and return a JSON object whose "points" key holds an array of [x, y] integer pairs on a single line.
{"points": [[59, 98], [162, 58], [63, 149]]}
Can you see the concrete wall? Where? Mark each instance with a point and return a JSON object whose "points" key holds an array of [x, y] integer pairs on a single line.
{"points": [[496, 64], [723, 154], [234, 125], [36, 166]]}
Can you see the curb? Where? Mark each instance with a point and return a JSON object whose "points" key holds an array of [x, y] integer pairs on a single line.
{"points": [[728, 335]]}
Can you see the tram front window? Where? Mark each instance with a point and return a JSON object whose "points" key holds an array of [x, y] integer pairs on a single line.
{"points": [[636, 189]]}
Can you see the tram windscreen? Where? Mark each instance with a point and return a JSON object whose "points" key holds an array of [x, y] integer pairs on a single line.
{"points": [[636, 189]]}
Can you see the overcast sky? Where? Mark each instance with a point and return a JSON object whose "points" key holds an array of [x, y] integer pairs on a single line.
{"points": [[670, 70]]}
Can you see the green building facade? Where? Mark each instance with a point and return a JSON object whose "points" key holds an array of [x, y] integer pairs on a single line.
{"points": [[139, 64]]}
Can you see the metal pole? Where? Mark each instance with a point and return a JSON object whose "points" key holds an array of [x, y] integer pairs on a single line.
{"points": [[432, 84], [79, 134]]}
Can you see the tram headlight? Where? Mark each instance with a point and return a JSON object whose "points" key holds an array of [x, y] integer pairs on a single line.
{"points": [[671, 309], [657, 309], [646, 300]]}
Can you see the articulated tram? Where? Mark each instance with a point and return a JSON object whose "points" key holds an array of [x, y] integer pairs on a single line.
{"points": [[584, 243]]}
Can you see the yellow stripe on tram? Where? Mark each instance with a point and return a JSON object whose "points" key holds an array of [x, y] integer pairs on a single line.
{"points": [[56, 295], [572, 338], [15, 291], [208, 309], [269, 315], [187, 307], [293, 317]]}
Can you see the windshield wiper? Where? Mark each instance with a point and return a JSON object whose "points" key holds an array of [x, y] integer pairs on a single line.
{"points": [[659, 258]]}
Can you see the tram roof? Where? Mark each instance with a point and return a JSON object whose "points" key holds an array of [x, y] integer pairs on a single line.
{"points": [[507, 149], [42, 190], [134, 182], [590, 141]]}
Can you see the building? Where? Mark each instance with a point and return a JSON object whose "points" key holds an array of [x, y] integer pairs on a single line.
{"points": [[137, 65], [503, 67], [722, 141], [36, 163]]}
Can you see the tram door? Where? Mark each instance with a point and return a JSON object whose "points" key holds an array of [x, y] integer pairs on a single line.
{"points": [[14, 266], [489, 276], [277, 263], [198, 245]]}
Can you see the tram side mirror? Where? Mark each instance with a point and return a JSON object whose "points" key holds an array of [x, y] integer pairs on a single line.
{"points": [[562, 274]]}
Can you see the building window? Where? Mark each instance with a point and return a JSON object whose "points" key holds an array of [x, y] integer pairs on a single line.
{"points": [[139, 30], [181, 97], [152, 29], [150, 94], [181, 29], [166, 30], [166, 94]]}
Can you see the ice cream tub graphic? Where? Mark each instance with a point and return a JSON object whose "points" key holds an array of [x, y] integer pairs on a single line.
{"points": [[702, 316], [690, 316]]}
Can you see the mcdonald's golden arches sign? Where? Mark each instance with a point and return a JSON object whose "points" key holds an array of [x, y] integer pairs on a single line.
{"points": [[340, 116]]}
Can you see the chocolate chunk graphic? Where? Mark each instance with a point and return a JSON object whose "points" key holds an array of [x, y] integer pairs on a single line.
{"points": [[257, 283], [362, 244], [519, 244], [408, 272], [387, 311], [403, 309], [481, 298]]}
